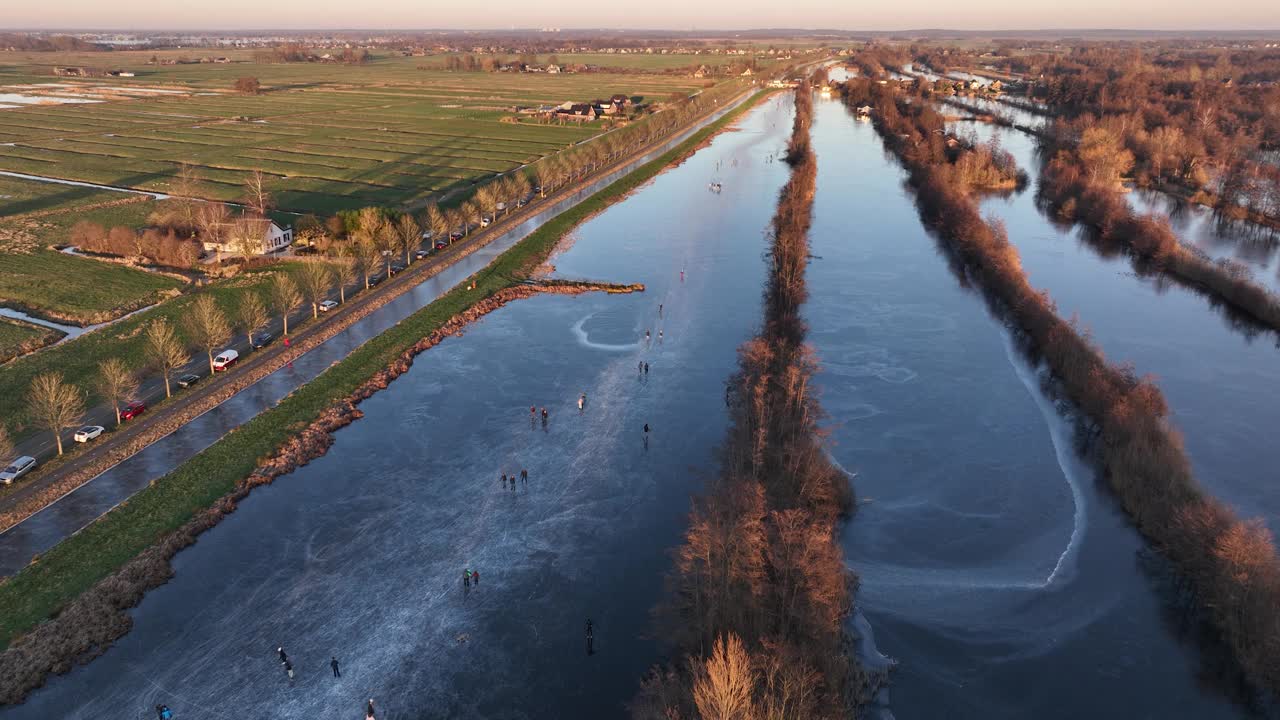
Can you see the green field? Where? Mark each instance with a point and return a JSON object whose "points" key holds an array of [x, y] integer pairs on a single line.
{"points": [[331, 136], [22, 197], [19, 338], [52, 285], [74, 565]]}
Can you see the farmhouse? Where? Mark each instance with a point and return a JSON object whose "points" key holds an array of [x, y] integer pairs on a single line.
{"points": [[274, 238]]}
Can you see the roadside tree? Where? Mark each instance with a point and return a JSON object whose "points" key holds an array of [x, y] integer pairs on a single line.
{"points": [[408, 234], [117, 383], [208, 327], [251, 314], [165, 350], [285, 297], [55, 403], [315, 280]]}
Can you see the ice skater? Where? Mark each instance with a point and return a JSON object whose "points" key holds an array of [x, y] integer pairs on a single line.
{"points": [[544, 416], [283, 657], [466, 579], [475, 574], [524, 476], [163, 712], [646, 436], [591, 638], [659, 337], [659, 309], [582, 400], [646, 369], [368, 711], [646, 336], [333, 663]]}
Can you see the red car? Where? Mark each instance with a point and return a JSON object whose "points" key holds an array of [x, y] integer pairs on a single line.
{"points": [[133, 410]]}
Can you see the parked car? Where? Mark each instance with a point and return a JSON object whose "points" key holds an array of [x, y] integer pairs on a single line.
{"points": [[484, 222], [422, 254], [188, 380], [261, 340], [397, 267], [133, 410], [87, 433], [225, 360], [17, 469], [327, 305]]}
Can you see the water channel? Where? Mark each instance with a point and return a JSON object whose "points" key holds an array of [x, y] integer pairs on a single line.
{"points": [[994, 567]]}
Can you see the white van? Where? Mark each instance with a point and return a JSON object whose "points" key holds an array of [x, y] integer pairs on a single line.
{"points": [[17, 469], [225, 359]]}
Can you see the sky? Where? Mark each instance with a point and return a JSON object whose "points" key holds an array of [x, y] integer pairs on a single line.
{"points": [[642, 14]]}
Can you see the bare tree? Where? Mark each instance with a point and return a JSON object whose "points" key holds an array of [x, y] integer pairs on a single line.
{"points": [[212, 220], [487, 197], [257, 199], [55, 403], [439, 223], [724, 683], [116, 383], [366, 255], [315, 281], [208, 326], [248, 237], [251, 314], [344, 273], [408, 234], [165, 350], [472, 215], [285, 297]]}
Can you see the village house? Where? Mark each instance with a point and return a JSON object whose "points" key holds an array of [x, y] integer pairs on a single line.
{"points": [[701, 72], [274, 239], [553, 69]]}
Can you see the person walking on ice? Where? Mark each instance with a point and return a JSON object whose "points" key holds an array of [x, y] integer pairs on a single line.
{"points": [[591, 638], [283, 658], [333, 663], [368, 711], [524, 476], [466, 579]]}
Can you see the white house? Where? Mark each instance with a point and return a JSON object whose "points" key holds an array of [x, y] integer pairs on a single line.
{"points": [[274, 238]]}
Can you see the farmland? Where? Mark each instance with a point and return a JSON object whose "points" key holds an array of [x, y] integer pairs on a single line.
{"points": [[19, 338], [332, 137]]}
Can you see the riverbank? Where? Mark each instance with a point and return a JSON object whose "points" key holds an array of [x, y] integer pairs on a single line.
{"points": [[96, 557], [1230, 565], [760, 595]]}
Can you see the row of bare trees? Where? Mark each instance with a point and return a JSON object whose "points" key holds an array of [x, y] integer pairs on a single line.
{"points": [[760, 592], [1230, 564], [57, 405]]}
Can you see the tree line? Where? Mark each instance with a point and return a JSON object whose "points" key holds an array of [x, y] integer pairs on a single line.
{"points": [[760, 593], [1229, 565]]}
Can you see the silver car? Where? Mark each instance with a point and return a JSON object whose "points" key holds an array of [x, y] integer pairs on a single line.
{"points": [[17, 469]]}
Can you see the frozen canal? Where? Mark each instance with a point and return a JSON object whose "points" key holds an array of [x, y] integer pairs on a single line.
{"points": [[361, 553]]}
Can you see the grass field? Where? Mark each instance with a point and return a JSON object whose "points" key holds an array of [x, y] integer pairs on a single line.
{"points": [[71, 567], [19, 338], [331, 136], [52, 285]]}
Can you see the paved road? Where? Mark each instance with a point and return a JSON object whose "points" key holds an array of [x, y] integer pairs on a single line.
{"points": [[80, 507]]}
